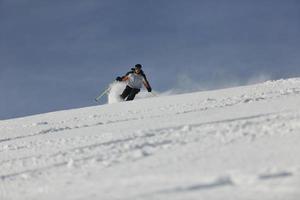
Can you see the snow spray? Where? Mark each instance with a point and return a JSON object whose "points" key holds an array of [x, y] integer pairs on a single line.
{"points": [[115, 92]]}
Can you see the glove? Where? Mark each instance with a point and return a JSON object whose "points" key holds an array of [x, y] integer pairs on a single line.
{"points": [[149, 89], [118, 78]]}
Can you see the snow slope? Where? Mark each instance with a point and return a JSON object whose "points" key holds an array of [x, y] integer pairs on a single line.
{"points": [[237, 143]]}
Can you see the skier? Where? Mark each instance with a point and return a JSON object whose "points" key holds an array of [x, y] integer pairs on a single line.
{"points": [[135, 79]]}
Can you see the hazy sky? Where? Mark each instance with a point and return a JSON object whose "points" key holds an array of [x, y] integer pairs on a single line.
{"points": [[58, 54]]}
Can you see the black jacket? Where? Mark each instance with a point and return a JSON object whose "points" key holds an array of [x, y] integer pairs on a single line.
{"points": [[142, 73]]}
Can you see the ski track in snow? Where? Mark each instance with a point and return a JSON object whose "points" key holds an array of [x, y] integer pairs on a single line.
{"points": [[169, 109], [45, 146], [144, 143]]}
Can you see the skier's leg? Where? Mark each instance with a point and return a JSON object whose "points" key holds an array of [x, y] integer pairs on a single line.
{"points": [[126, 92], [132, 94]]}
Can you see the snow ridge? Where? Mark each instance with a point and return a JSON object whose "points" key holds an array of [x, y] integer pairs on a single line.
{"points": [[242, 140]]}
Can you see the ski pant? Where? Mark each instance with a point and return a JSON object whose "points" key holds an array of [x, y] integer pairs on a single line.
{"points": [[129, 93]]}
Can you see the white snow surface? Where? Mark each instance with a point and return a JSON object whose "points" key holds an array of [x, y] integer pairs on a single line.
{"points": [[236, 143]]}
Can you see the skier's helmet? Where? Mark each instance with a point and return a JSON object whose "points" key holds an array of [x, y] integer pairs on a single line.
{"points": [[138, 66]]}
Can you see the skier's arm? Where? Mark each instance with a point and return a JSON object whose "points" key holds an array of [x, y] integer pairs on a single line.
{"points": [[125, 78], [147, 85]]}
